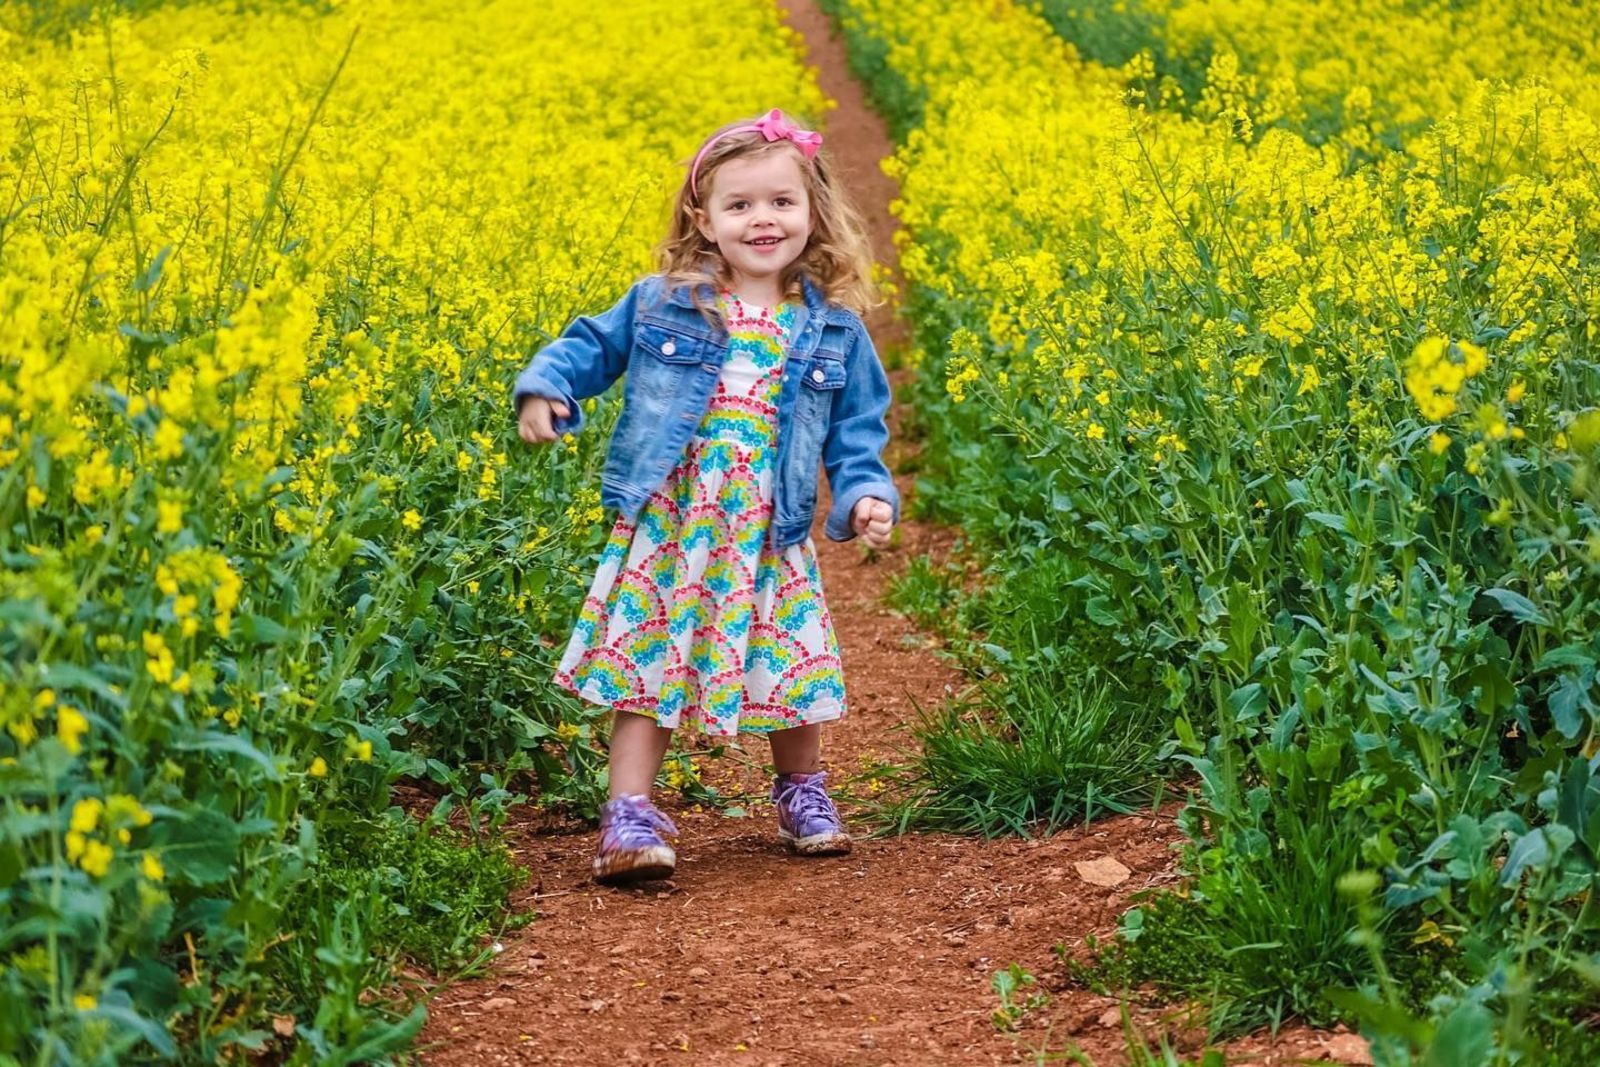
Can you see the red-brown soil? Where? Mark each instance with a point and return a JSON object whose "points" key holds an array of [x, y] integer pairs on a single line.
{"points": [[883, 957]]}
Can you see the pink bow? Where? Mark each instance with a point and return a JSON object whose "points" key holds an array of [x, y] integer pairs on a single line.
{"points": [[774, 127], [777, 128]]}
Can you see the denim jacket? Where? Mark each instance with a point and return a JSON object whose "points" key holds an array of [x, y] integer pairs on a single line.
{"points": [[830, 408]]}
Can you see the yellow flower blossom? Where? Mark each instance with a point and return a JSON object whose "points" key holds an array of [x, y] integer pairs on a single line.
{"points": [[70, 728], [86, 814], [168, 440], [169, 516], [96, 859]]}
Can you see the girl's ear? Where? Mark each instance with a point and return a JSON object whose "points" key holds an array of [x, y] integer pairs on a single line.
{"points": [[702, 222]]}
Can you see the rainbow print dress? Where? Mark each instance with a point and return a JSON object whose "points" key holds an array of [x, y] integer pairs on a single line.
{"points": [[692, 617]]}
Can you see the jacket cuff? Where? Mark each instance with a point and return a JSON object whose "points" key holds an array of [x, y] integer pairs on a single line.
{"points": [[837, 528], [532, 383]]}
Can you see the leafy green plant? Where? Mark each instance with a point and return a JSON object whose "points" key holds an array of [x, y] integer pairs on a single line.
{"points": [[1014, 985], [1027, 756], [1342, 534], [436, 893]]}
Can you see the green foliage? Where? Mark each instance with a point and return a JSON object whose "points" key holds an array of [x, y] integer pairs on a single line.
{"points": [[358, 617], [1112, 32], [1375, 648], [868, 58], [434, 892], [1012, 986], [1022, 756], [1063, 724]]}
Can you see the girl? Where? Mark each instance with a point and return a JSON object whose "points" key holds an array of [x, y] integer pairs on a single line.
{"points": [[747, 366]]}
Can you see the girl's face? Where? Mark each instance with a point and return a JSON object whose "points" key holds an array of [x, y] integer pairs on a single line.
{"points": [[758, 214]]}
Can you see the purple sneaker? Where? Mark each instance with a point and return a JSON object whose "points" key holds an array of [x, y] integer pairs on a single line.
{"points": [[631, 845], [807, 820]]}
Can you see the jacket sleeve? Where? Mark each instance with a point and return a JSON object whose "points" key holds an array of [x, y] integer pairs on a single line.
{"points": [[590, 354], [852, 454]]}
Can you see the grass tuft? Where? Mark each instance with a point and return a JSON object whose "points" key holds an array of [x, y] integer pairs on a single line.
{"points": [[1018, 758]]}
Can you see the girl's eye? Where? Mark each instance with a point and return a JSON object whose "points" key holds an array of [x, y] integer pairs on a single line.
{"points": [[737, 205]]}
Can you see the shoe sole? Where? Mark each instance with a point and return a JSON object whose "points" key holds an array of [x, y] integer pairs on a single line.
{"points": [[828, 844], [645, 865]]}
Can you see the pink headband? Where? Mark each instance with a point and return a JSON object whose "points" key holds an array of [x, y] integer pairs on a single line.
{"points": [[774, 128]]}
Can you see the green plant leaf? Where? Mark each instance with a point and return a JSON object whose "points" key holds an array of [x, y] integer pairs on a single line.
{"points": [[1518, 606], [1466, 1036], [1565, 656], [217, 741], [1532, 849], [199, 847]]}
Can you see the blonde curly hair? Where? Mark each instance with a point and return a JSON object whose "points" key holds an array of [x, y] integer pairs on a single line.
{"points": [[837, 258]]}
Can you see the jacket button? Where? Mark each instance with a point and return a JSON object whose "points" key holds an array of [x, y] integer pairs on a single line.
{"points": [[669, 348], [817, 375]]}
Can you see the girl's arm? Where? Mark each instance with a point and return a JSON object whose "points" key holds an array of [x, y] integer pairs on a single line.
{"points": [[853, 452], [589, 355]]}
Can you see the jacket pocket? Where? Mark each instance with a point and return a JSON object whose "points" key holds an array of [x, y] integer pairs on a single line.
{"points": [[668, 345], [818, 386]]}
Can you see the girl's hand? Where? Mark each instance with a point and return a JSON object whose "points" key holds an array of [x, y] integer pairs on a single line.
{"points": [[536, 420], [872, 520]]}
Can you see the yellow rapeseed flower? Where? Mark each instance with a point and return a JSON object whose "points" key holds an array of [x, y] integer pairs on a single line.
{"points": [[169, 516], [70, 728], [96, 859], [86, 814]]}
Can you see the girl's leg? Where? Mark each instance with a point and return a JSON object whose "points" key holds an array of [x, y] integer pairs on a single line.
{"points": [[633, 833], [797, 750], [638, 746], [808, 821]]}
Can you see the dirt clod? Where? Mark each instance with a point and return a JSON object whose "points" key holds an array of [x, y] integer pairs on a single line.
{"points": [[1347, 1049], [1102, 871]]}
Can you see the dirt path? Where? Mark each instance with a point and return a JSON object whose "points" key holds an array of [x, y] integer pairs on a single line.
{"points": [[752, 957]]}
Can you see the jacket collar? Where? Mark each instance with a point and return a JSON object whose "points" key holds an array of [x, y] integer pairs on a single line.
{"points": [[815, 302]]}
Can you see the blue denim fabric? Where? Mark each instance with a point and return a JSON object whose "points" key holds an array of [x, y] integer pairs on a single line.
{"points": [[830, 409]]}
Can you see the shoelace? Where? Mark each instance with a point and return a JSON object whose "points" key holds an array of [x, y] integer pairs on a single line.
{"points": [[637, 823], [806, 799]]}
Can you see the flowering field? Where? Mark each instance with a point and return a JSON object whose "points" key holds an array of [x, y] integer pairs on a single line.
{"points": [[266, 272], [1261, 348], [1259, 365]]}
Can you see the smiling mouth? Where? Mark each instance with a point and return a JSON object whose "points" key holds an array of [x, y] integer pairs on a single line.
{"points": [[763, 241]]}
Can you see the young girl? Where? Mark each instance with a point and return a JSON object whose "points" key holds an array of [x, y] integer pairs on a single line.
{"points": [[747, 365]]}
